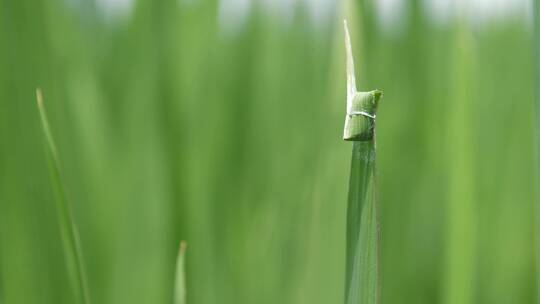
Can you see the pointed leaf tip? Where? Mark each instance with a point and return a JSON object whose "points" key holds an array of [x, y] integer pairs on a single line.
{"points": [[377, 96], [182, 249], [180, 281], [68, 230], [39, 97], [351, 79]]}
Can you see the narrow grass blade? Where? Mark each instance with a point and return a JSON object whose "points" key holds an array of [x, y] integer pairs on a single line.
{"points": [[68, 231], [362, 269], [180, 281], [362, 275], [536, 16], [351, 78], [460, 282]]}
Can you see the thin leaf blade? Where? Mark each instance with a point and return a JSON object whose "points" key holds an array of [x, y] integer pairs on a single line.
{"points": [[351, 78], [180, 281], [362, 268], [68, 230], [362, 275]]}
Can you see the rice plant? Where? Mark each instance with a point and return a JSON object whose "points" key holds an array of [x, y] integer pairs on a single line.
{"points": [[180, 281], [536, 41], [70, 236], [362, 270], [198, 120]]}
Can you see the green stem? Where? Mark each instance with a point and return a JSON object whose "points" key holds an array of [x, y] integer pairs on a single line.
{"points": [[68, 230]]}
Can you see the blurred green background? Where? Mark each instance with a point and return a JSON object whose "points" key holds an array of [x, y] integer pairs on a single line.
{"points": [[203, 121]]}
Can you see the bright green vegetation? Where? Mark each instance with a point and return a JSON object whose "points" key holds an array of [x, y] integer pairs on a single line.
{"points": [[362, 257], [68, 229], [171, 127], [180, 291], [536, 31], [360, 123], [362, 272], [461, 212]]}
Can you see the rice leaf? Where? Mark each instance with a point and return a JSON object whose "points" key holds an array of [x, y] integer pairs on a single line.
{"points": [[362, 273], [462, 222], [180, 281], [536, 16], [68, 230]]}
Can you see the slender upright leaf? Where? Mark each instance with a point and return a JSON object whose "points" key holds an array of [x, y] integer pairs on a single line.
{"points": [[536, 14], [180, 282], [462, 218], [362, 273], [68, 230]]}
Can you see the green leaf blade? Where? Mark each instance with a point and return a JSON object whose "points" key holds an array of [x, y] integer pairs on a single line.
{"points": [[180, 280], [362, 275], [69, 234], [362, 268]]}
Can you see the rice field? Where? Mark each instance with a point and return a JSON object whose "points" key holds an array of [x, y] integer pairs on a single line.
{"points": [[171, 126]]}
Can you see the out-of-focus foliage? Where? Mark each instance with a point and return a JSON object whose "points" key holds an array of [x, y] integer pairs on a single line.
{"points": [[169, 128]]}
